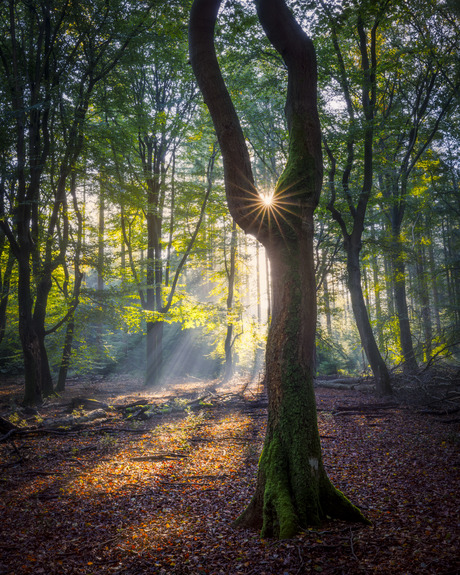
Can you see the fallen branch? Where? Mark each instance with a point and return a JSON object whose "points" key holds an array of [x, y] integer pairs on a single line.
{"points": [[364, 407], [450, 411]]}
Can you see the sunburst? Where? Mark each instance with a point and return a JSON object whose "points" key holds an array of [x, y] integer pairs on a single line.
{"points": [[267, 199], [274, 207]]}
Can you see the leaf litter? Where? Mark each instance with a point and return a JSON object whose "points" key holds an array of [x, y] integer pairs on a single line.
{"points": [[159, 495]]}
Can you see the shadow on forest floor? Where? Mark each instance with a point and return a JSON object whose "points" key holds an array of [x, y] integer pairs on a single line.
{"points": [[157, 493]]}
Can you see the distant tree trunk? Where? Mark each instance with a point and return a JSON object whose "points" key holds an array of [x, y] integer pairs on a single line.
{"points": [[100, 245], [327, 305], [154, 340], [66, 354], [100, 275], [378, 304], [5, 274], [434, 286], [402, 310], [389, 285], [292, 488], [259, 350], [77, 281], [424, 299], [5, 278], [269, 288], [258, 294], [171, 218], [378, 366], [231, 276]]}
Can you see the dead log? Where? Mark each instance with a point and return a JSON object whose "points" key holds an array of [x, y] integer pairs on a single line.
{"points": [[86, 403]]}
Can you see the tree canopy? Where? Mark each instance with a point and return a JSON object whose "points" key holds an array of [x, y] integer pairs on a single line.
{"points": [[117, 249]]}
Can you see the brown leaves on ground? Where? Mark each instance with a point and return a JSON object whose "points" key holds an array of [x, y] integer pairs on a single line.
{"points": [[159, 496]]}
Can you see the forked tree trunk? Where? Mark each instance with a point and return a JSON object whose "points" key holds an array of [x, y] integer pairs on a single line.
{"points": [[292, 489]]}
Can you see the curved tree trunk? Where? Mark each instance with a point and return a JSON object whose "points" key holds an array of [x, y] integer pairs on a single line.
{"points": [[378, 366], [292, 489]]}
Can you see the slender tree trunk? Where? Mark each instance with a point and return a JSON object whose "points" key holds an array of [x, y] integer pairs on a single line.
{"points": [[434, 286], [424, 299], [171, 219], [378, 304], [5, 274], [259, 350], [41, 299], [100, 276], [378, 366], [154, 340], [5, 279], [258, 294], [66, 354], [389, 285], [231, 275], [327, 305], [269, 288], [100, 245], [399, 283]]}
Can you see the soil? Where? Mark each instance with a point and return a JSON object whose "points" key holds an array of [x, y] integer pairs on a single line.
{"points": [[156, 492]]}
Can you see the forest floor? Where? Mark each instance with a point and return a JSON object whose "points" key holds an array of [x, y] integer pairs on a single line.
{"points": [[153, 488]]}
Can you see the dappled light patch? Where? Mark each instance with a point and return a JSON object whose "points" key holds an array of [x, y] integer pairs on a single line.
{"points": [[162, 497]]}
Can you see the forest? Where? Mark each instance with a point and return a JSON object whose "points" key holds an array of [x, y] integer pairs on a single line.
{"points": [[229, 286]]}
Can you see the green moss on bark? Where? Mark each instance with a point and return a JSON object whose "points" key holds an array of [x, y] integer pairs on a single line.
{"points": [[298, 182], [279, 515], [294, 490]]}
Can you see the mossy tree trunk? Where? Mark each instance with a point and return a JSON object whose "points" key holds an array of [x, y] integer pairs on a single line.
{"points": [[292, 489]]}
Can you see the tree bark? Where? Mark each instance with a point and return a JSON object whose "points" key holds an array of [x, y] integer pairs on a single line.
{"points": [[292, 488], [352, 240], [378, 303], [231, 274], [378, 366], [5, 290], [402, 310]]}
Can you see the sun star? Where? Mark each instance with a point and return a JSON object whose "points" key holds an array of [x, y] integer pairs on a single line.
{"points": [[267, 199]]}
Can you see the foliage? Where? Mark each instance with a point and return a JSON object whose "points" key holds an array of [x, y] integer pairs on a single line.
{"points": [[117, 84]]}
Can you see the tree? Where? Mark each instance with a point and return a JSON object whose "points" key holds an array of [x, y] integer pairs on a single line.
{"points": [[418, 98], [52, 56], [357, 209], [157, 112], [230, 268], [292, 489]]}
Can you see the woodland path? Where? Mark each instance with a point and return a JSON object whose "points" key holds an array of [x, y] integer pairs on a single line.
{"points": [[130, 495]]}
